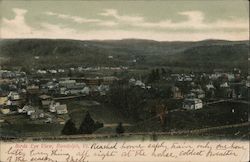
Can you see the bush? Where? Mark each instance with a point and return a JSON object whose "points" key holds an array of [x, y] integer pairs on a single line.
{"points": [[119, 128], [69, 128], [88, 125]]}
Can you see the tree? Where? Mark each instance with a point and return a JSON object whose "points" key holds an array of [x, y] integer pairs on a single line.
{"points": [[119, 128], [70, 73], [157, 74], [69, 128], [154, 76], [163, 72], [87, 125]]}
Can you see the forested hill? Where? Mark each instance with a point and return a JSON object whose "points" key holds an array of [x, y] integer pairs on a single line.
{"points": [[52, 52]]}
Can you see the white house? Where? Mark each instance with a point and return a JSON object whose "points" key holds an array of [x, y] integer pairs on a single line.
{"points": [[210, 86], [110, 57], [5, 110], [41, 71], [14, 96], [199, 93], [140, 84], [132, 81], [53, 105], [28, 109], [67, 83], [61, 70], [52, 71], [37, 114], [103, 89], [192, 104], [85, 90], [61, 109], [224, 85]]}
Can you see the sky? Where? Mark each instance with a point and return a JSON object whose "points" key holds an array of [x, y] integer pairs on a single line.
{"points": [[169, 20]]}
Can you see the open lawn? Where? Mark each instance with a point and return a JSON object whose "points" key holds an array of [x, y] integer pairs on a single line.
{"points": [[109, 116], [216, 115]]}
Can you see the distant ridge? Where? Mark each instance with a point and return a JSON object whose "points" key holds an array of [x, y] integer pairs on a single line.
{"points": [[147, 52]]}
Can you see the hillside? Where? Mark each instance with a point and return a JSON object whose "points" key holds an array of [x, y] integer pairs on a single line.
{"points": [[21, 52]]}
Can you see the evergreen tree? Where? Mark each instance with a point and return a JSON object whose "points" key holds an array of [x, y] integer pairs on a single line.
{"points": [[69, 128], [157, 74], [87, 125], [154, 76], [70, 73], [119, 128], [163, 72]]}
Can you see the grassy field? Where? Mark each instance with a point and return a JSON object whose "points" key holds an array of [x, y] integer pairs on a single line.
{"points": [[213, 116], [99, 112], [20, 124]]}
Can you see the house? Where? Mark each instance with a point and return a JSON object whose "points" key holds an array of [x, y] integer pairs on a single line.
{"points": [[226, 91], [67, 83], [93, 81], [33, 89], [45, 100], [5, 110], [61, 109], [29, 110], [45, 103], [210, 86], [109, 79], [38, 114], [61, 121], [24, 109], [140, 84], [14, 99], [230, 76], [53, 105], [224, 85], [14, 96], [199, 93], [3, 101], [183, 78], [61, 70], [13, 87], [85, 91], [192, 103], [41, 72], [210, 90], [50, 85], [176, 92], [103, 89], [52, 71], [132, 81], [73, 91]]}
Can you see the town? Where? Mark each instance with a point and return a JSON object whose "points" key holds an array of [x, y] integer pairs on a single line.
{"points": [[46, 99]]}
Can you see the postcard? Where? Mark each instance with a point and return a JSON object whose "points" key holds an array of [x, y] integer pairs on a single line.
{"points": [[125, 80]]}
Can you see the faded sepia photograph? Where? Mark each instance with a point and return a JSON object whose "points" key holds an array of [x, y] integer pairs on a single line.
{"points": [[142, 70]]}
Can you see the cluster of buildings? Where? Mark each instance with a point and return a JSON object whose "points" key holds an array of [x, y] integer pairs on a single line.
{"points": [[46, 109], [138, 83], [36, 96], [194, 90], [77, 86], [79, 69], [204, 87]]}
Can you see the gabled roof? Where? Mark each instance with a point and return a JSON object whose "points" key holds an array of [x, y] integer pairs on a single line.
{"points": [[44, 97], [61, 107]]}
